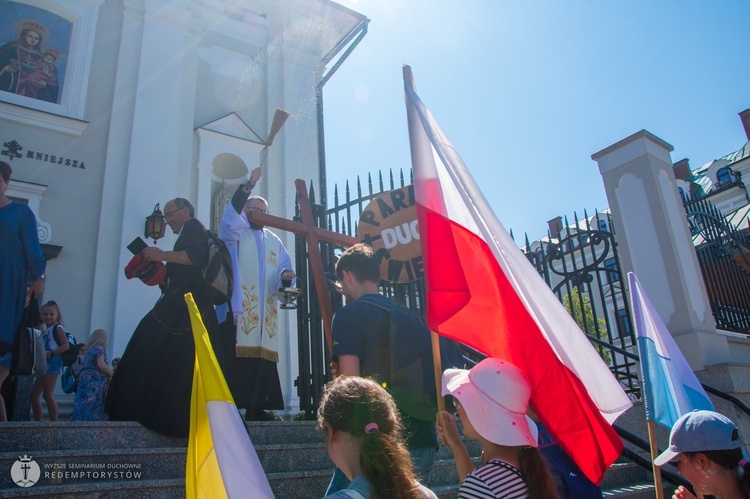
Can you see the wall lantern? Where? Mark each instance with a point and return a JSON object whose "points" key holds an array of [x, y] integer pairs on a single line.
{"points": [[155, 224]]}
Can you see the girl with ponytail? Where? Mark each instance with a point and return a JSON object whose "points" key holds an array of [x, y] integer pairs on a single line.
{"points": [[55, 342], [492, 399], [364, 435]]}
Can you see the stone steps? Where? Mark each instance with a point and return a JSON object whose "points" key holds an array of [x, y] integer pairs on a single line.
{"points": [[301, 469], [146, 489]]}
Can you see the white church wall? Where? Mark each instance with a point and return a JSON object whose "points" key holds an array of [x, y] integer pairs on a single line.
{"points": [[144, 77], [67, 153]]}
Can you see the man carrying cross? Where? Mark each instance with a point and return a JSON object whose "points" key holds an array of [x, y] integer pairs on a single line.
{"points": [[260, 263]]}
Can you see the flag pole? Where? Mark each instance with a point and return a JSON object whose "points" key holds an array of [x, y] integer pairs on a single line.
{"points": [[438, 373], [654, 453]]}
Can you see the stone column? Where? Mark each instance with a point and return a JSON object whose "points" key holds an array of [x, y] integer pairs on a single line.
{"points": [[149, 154], [654, 242]]}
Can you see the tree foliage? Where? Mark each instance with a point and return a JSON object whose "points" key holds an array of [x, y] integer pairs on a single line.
{"points": [[579, 306]]}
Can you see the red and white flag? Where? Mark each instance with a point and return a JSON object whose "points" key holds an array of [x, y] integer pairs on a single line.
{"points": [[483, 292]]}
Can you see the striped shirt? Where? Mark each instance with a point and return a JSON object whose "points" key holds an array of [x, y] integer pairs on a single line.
{"points": [[494, 479]]}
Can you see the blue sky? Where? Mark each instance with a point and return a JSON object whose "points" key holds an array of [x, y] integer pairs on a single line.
{"points": [[527, 91]]}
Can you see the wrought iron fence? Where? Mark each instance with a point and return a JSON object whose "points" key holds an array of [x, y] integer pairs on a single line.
{"points": [[580, 264], [314, 359], [724, 257]]}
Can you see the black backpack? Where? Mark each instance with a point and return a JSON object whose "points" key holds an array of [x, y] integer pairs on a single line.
{"points": [[217, 274], [411, 380], [70, 355]]}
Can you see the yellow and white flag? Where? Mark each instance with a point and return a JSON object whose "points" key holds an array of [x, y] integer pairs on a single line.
{"points": [[221, 460]]}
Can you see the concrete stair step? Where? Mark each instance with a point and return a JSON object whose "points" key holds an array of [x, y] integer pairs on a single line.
{"points": [[292, 453], [473, 446], [156, 463], [635, 491], [443, 473], [624, 473], [296, 485], [298, 457], [446, 491], [300, 484], [277, 432], [142, 489], [62, 435], [70, 435]]}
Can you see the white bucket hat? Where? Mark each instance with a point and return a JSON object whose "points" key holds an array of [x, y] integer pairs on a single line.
{"points": [[495, 395]]}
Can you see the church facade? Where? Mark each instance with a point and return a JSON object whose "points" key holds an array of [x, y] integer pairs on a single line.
{"points": [[117, 105]]}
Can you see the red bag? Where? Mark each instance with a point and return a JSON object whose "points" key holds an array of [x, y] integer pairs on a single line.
{"points": [[151, 273]]}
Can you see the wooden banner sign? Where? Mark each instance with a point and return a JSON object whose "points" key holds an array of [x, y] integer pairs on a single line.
{"points": [[389, 224]]}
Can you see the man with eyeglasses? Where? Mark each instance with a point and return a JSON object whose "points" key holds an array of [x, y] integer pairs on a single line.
{"points": [[260, 263], [153, 382]]}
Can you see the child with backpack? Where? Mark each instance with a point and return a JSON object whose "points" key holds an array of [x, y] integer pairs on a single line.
{"points": [[55, 343], [374, 337]]}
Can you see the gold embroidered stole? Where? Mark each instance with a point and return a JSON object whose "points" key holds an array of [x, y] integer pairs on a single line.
{"points": [[257, 327]]}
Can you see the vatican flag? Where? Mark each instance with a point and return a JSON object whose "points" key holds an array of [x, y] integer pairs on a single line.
{"points": [[221, 460]]}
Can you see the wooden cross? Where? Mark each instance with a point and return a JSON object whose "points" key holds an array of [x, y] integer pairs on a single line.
{"points": [[313, 236]]}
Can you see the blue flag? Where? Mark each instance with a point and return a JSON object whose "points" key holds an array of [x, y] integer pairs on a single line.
{"points": [[670, 388]]}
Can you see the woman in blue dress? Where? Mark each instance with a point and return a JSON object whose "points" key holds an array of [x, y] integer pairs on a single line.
{"points": [[20, 255], [93, 380]]}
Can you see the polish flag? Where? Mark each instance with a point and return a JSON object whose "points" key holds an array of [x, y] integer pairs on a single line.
{"points": [[483, 292]]}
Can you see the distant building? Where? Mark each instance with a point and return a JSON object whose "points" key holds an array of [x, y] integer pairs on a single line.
{"points": [[721, 181], [582, 253]]}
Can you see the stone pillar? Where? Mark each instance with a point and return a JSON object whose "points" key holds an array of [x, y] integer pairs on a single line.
{"points": [[654, 242], [149, 155]]}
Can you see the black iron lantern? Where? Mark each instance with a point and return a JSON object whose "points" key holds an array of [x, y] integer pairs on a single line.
{"points": [[155, 224]]}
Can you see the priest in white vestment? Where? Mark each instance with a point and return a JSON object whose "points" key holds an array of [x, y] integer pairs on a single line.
{"points": [[260, 263]]}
